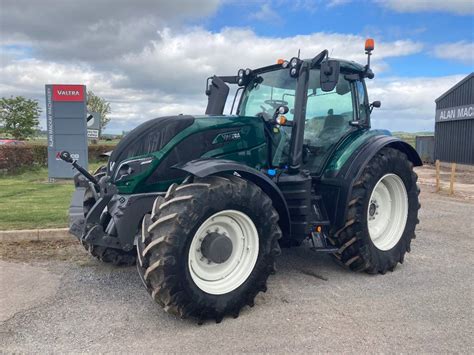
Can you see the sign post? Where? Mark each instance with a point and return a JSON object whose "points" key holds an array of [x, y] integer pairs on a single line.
{"points": [[67, 127]]}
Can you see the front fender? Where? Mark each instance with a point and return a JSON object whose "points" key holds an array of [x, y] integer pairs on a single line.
{"points": [[207, 167]]}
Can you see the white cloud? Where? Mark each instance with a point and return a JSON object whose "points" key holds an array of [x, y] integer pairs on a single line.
{"points": [[180, 62], [459, 7], [461, 51], [93, 31], [266, 14], [408, 104], [168, 76]]}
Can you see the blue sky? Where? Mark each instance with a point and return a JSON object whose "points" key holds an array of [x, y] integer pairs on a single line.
{"points": [[359, 17], [150, 58]]}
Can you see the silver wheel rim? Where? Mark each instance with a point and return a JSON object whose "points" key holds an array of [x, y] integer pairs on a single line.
{"points": [[387, 212], [218, 279]]}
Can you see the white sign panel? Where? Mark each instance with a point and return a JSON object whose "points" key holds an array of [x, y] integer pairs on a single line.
{"points": [[455, 113], [92, 133]]}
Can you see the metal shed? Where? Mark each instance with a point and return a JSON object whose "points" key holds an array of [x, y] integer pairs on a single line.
{"points": [[425, 148], [454, 123]]}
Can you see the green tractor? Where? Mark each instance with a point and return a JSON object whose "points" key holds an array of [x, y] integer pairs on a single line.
{"points": [[203, 204]]}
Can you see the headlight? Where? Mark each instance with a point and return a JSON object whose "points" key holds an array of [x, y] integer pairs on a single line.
{"points": [[240, 73], [130, 168]]}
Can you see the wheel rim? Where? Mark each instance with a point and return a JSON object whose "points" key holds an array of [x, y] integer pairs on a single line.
{"points": [[225, 276], [387, 212]]}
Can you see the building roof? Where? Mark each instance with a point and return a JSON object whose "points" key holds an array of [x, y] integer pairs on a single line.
{"points": [[455, 86]]}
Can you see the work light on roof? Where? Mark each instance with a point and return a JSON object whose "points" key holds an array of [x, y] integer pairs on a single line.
{"points": [[244, 76], [294, 62]]}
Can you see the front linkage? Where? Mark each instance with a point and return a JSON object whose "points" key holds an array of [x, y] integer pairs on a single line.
{"points": [[102, 219]]}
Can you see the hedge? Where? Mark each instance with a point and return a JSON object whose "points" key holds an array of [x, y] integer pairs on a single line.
{"points": [[15, 158]]}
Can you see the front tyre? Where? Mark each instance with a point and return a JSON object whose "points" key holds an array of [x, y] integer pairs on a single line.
{"points": [[382, 215], [208, 247]]}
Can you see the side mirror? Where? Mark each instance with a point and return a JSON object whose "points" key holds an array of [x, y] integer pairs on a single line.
{"points": [[329, 75], [375, 104]]}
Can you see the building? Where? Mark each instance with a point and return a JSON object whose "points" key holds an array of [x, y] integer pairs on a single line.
{"points": [[424, 145], [454, 123]]}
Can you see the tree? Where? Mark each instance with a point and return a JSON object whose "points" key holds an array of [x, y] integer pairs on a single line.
{"points": [[98, 104], [19, 116]]}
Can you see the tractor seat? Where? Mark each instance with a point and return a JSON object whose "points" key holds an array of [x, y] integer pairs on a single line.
{"points": [[332, 122]]}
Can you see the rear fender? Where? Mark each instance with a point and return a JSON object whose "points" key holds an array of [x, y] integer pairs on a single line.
{"points": [[207, 167], [352, 170]]}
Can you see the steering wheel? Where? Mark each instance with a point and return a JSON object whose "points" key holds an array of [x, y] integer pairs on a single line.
{"points": [[276, 103]]}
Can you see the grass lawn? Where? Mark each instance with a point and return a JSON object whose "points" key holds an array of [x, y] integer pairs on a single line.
{"points": [[29, 201]]}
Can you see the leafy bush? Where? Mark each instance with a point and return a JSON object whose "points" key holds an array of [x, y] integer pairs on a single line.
{"points": [[18, 158]]}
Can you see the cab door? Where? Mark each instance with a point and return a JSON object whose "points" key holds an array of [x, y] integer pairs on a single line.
{"points": [[330, 116]]}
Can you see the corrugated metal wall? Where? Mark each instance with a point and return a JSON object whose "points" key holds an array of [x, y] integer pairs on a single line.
{"points": [[454, 140], [425, 148]]}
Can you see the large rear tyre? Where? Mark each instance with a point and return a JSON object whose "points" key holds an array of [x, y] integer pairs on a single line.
{"points": [[382, 215], [208, 247]]}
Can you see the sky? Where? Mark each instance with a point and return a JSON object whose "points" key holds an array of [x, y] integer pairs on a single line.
{"points": [[150, 58]]}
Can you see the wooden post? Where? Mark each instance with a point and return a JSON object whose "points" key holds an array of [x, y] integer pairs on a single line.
{"points": [[453, 178], [437, 176]]}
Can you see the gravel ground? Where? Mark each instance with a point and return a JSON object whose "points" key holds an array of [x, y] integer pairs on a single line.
{"points": [[54, 298]]}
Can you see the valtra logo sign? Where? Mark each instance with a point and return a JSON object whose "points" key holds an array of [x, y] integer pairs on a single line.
{"points": [[68, 93]]}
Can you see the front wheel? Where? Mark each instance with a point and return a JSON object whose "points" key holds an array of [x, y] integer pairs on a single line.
{"points": [[382, 215], [209, 247]]}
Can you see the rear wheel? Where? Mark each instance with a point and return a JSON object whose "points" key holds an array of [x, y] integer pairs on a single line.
{"points": [[382, 215], [209, 247]]}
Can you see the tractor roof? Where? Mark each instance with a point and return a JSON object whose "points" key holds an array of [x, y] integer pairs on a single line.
{"points": [[350, 65]]}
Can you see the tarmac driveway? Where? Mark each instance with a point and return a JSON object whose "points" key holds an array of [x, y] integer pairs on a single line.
{"points": [[54, 298]]}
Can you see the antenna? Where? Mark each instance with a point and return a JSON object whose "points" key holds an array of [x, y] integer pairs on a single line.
{"points": [[299, 53]]}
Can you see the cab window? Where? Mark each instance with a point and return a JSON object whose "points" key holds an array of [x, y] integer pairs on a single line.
{"points": [[328, 117], [362, 101]]}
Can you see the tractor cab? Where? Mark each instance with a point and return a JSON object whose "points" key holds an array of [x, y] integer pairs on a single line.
{"points": [[309, 106], [329, 116]]}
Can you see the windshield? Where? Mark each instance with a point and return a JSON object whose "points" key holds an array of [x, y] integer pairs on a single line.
{"points": [[264, 94]]}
